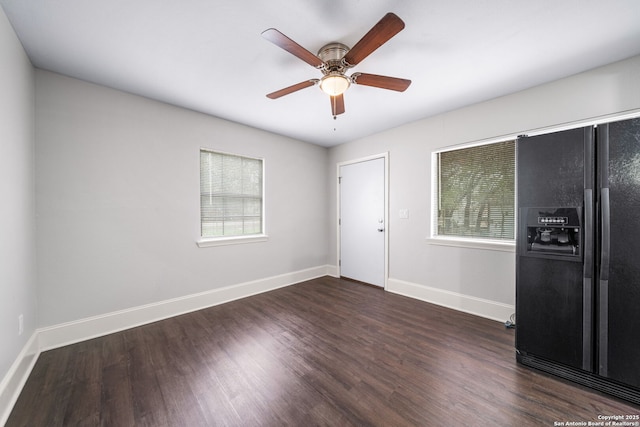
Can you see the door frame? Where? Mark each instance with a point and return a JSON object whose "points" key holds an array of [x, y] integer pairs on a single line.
{"points": [[385, 156]]}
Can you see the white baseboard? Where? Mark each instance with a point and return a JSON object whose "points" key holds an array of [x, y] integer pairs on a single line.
{"points": [[468, 304], [80, 330], [14, 380], [332, 270], [92, 327]]}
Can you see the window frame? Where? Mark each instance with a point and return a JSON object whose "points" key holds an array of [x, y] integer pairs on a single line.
{"points": [[204, 242], [505, 245]]}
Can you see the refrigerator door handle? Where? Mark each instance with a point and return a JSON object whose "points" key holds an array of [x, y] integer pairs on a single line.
{"points": [[605, 247], [587, 283], [606, 238], [605, 243]]}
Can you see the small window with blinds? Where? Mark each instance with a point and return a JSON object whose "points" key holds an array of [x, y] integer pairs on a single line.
{"points": [[231, 195], [474, 195]]}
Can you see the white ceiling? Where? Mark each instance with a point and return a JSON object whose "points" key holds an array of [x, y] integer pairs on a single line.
{"points": [[208, 55]]}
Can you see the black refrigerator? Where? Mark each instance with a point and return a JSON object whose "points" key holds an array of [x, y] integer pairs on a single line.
{"points": [[578, 256]]}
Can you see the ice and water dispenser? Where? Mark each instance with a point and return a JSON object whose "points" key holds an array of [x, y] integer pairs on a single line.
{"points": [[552, 232]]}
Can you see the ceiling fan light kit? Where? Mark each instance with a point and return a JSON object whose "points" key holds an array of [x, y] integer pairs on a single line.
{"points": [[334, 59], [334, 83]]}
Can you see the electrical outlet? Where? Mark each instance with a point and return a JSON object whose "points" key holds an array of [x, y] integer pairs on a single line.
{"points": [[20, 324]]}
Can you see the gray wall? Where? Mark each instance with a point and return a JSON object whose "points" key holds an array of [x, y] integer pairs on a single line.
{"points": [[117, 191], [118, 201], [485, 274], [17, 205]]}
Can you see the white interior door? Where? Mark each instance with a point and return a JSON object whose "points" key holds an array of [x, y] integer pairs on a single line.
{"points": [[362, 221]]}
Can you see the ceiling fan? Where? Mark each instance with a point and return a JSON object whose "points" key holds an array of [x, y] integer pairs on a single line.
{"points": [[334, 59]]}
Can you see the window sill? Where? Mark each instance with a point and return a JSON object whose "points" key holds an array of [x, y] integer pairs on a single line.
{"points": [[493, 245], [236, 240]]}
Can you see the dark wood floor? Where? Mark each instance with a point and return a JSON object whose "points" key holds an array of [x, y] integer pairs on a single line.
{"points": [[324, 352]]}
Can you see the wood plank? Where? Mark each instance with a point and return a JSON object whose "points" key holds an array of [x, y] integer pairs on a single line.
{"points": [[322, 352]]}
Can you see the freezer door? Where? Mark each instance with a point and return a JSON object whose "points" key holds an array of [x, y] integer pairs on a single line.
{"points": [[619, 262], [554, 297]]}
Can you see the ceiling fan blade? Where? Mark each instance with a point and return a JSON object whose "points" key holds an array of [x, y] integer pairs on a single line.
{"points": [[383, 82], [279, 39], [387, 27], [337, 104], [293, 88]]}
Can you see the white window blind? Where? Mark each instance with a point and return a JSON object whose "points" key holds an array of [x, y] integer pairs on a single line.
{"points": [[231, 195], [475, 192]]}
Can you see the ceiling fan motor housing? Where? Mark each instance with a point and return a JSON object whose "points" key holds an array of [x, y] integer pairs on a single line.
{"points": [[332, 54]]}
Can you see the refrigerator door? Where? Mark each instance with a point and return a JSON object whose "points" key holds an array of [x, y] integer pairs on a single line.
{"points": [[619, 262], [554, 297]]}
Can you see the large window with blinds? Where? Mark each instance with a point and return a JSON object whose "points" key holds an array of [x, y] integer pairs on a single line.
{"points": [[231, 195], [474, 192]]}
